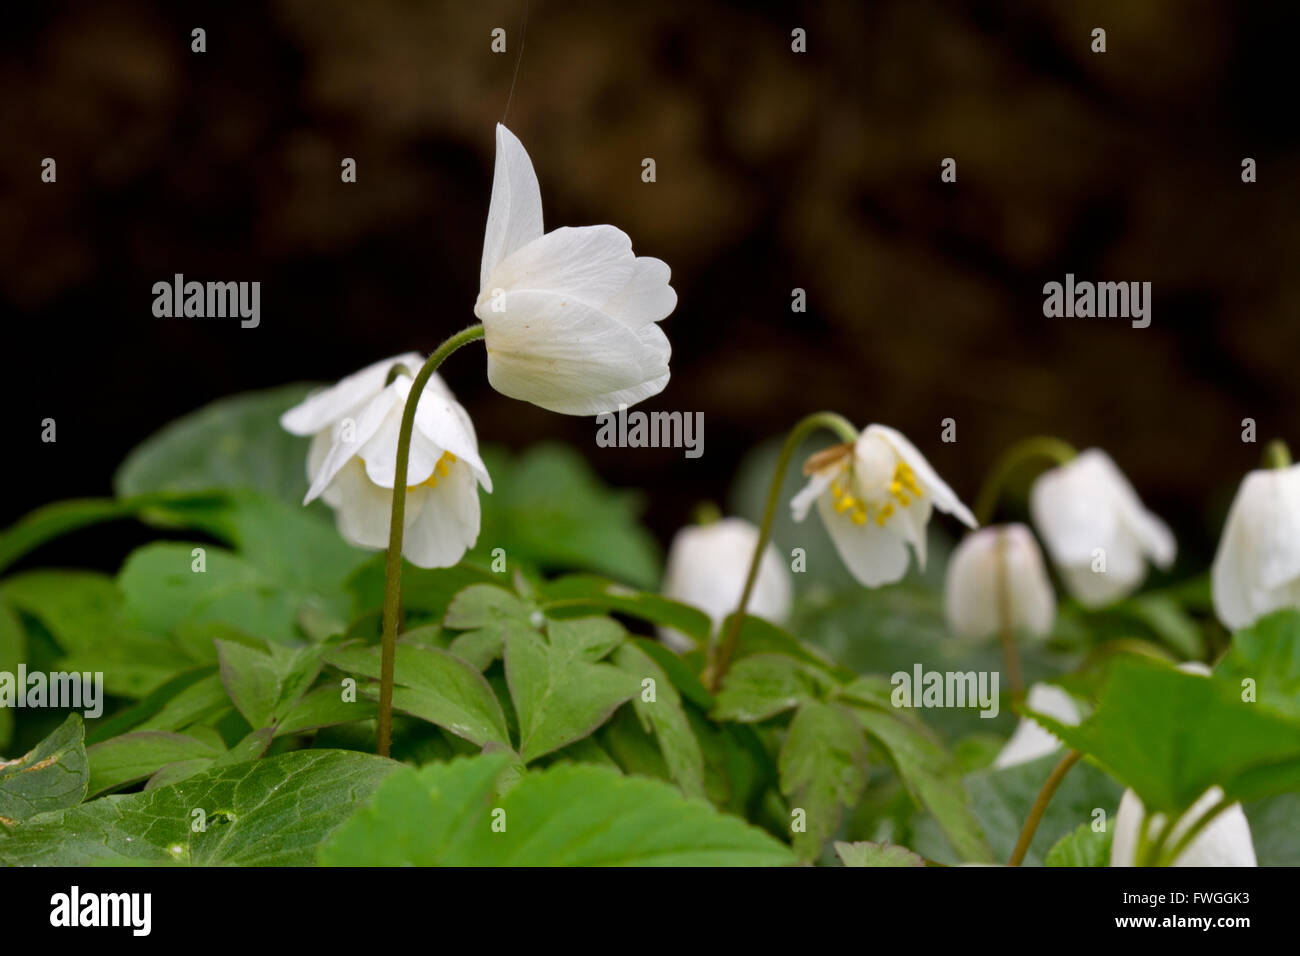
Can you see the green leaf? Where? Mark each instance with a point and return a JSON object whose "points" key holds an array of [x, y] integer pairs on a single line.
{"points": [[823, 769], [1273, 829], [1171, 736], [84, 613], [548, 508], [234, 442], [876, 854], [590, 638], [251, 680], [763, 686], [436, 686], [666, 719], [1082, 846], [485, 605], [136, 756], [928, 773], [13, 651], [323, 707], [683, 678], [272, 812], [566, 815], [1267, 653], [1167, 619], [51, 776], [584, 593], [424, 590], [559, 696]]}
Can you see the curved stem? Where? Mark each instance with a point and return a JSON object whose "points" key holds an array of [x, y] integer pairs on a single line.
{"points": [[1040, 806], [393, 562], [1044, 446], [842, 427]]}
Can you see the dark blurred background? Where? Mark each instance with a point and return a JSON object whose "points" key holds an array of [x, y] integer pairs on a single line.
{"points": [[775, 170]]}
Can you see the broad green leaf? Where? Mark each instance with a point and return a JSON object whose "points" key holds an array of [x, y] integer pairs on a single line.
{"points": [[928, 773], [591, 638], [201, 700], [236, 442], [876, 854], [559, 696], [436, 686], [683, 678], [823, 769], [758, 636], [666, 719], [84, 613], [485, 605], [1082, 846], [566, 815], [1267, 653], [425, 591], [1273, 829], [51, 776], [138, 755], [1171, 736], [250, 679], [272, 812], [1167, 619], [323, 707], [584, 593], [764, 685]]}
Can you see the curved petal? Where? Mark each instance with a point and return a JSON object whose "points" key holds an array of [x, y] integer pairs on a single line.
{"points": [[647, 297], [368, 421], [589, 264], [1071, 506], [1127, 824], [873, 556], [515, 212], [810, 492], [442, 523], [364, 510], [944, 498], [327, 406], [1033, 602], [970, 586], [567, 357], [1031, 740]]}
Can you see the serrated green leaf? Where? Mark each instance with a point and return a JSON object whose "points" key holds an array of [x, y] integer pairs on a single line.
{"points": [[1082, 846], [485, 605], [272, 812], [559, 696], [764, 685], [584, 593], [51, 776], [823, 770], [566, 815], [1267, 653], [591, 638], [666, 719], [876, 854]]}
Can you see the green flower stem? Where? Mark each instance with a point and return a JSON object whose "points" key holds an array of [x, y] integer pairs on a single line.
{"points": [[727, 646], [393, 563], [1040, 806], [1044, 446], [1277, 454]]}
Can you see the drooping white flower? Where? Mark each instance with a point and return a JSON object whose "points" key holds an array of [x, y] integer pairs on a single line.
{"points": [[1225, 841], [1257, 567], [1031, 739], [353, 461], [875, 498], [996, 580], [1090, 518], [707, 566], [570, 316]]}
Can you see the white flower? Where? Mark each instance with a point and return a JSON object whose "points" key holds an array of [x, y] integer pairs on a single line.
{"points": [[1257, 567], [875, 498], [1031, 740], [569, 317], [1225, 841], [998, 573], [353, 460], [1091, 518], [707, 565]]}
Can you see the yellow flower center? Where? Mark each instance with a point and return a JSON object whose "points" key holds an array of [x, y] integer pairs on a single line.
{"points": [[441, 469], [903, 488]]}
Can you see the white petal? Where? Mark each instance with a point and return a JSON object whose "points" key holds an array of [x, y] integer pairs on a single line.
{"points": [[589, 264], [707, 566], [515, 212], [570, 358], [1072, 508], [810, 492], [1225, 841], [442, 523], [1033, 602], [971, 599], [945, 499], [368, 421], [647, 297], [1127, 824], [1031, 740], [364, 510], [328, 406], [873, 555]]}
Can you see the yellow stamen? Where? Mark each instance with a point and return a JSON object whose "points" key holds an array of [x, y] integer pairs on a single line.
{"points": [[845, 503]]}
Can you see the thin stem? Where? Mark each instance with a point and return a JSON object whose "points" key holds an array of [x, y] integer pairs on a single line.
{"points": [[842, 427], [1168, 857], [1044, 446], [1276, 454], [1040, 806], [393, 562]]}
